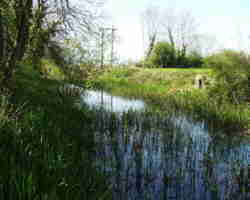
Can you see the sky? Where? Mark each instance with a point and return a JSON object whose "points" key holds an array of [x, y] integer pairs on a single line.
{"points": [[223, 21]]}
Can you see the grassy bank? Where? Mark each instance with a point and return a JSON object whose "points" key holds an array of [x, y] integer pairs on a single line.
{"points": [[47, 144], [137, 82], [173, 89]]}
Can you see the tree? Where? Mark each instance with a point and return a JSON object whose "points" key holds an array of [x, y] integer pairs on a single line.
{"points": [[151, 27], [163, 55], [15, 23], [28, 26], [194, 59], [232, 70], [180, 31], [204, 44]]}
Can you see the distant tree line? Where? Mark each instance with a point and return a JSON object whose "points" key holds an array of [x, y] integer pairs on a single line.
{"points": [[171, 38], [164, 55]]}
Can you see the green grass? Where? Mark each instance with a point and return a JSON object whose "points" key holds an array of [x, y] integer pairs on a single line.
{"points": [[52, 70], [159, 79], [146, 83], [173, 90], [47, 144]]}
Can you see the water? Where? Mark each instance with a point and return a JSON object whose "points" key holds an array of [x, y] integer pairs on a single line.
{"points": [[111, 103], [148, 155]]}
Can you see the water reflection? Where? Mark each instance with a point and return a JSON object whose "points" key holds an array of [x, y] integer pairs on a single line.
{"points": [[155, 156], [111, 103]]}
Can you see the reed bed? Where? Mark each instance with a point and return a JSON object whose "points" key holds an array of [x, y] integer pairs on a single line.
{"points": [[173, 90]]}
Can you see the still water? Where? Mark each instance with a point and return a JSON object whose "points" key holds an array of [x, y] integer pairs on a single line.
{"points": [[149, 155], [101, 99]]}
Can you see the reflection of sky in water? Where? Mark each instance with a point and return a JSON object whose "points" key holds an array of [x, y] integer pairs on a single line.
{"points": [[111, 103], [179, 159]]}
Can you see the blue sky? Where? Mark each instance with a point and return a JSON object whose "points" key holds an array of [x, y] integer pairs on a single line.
{"points": [[225, 20]]}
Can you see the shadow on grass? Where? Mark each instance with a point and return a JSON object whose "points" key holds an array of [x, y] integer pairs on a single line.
{"points": [[47, 150]]}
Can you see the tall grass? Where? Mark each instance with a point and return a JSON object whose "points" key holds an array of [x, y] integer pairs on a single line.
{"points": [[46, 145], [173, 90], [156, 155]]}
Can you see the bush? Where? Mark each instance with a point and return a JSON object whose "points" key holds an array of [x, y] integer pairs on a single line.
{"points": [[163, 55], [232, 75], [194, 59]]}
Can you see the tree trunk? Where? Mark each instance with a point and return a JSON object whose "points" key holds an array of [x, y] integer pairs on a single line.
{"points": [[1, 38], [23, 13], [171, 38], [248, 88], [151, 46], [3, 47], [3, 42]]}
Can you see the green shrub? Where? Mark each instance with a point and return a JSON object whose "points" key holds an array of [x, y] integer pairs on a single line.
{"points": [[163, 55], [194, 59], [232, 75], [5, 112]]}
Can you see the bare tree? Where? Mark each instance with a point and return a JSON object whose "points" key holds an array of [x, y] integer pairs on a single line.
{"points": [[205, 44], [151, 27], [177, 28], [180, 30]]}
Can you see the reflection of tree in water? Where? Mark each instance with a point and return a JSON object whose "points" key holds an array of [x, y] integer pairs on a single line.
{"points": [[150, 157]]}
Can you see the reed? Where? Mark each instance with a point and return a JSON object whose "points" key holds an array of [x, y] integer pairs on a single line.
{"points": [[47, 147], [173, 90]]}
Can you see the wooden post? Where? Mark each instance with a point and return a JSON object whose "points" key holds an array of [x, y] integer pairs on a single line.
{"points": [[112, 45]]}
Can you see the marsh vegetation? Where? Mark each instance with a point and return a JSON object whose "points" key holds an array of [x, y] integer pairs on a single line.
{"points": [[160, 155], [75, 124]]}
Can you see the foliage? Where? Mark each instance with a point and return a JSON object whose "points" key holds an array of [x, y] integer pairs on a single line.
{"points": [[51, 70], [172, 90], [47, 145], [179, 29], [14, 36], [163, 55], [73, 52], [31, 29], [232, 75], [194, 59]]}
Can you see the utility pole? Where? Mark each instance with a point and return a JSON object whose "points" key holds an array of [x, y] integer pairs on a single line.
{"points": [[112, 45], [102, 30], [102, 47]]}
